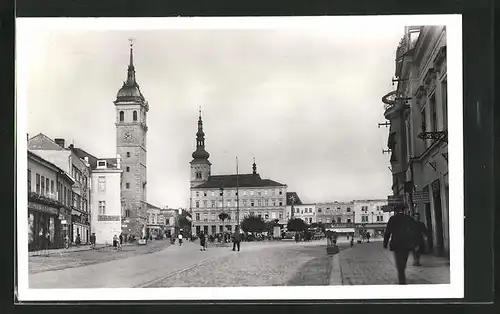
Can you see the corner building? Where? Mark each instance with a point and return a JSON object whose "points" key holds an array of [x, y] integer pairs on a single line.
{"points": [[212, 195], [131, 130]]}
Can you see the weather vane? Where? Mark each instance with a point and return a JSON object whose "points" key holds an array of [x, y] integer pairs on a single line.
{"points": [[131, 40]]}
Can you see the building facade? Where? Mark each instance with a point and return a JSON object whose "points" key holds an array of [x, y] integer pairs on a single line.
{"points": [[306, 212], [237, 195], [330, 213], [371, 215], [106, 219], [55, 152], [49, 204], [418, 115], [131, 130]]}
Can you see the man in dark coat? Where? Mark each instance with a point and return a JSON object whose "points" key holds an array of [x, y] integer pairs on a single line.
{"points": [[423, 234], [403, 234], [236, 239]]}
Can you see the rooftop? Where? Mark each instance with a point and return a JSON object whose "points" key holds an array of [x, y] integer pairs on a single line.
{"points": [[240, 180]]}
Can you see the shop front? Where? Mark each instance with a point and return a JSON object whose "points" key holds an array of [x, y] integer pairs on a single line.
{"points": [[47, 226]]}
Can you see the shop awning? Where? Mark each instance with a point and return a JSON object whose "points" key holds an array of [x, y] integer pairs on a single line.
{"points": [[343, 230]]}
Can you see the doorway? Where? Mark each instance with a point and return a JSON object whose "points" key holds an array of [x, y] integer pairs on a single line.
{"points": [[205, 229], [438, 217]]}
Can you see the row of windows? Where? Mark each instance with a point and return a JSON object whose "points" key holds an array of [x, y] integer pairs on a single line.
{"points": [[304, 210], [244, 192], [79, 176], [47, 187], [245, 203], [122, 116], [102, 209], [365, 208], [364, 218], [215, 216]]}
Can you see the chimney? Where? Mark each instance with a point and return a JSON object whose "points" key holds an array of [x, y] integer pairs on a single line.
{"points": [[60, 142]]}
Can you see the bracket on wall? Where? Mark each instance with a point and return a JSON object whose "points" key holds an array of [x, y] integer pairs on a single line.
{"points": [[388, 151], [386, 124], [439, 136]]}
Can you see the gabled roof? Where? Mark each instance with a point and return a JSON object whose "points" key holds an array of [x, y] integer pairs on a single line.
{"points": [[289, 195], [47, 163], [82, 154], [43, 142], [240, 180]]}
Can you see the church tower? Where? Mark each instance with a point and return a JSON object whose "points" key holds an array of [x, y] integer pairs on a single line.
{"points": [[131, 129], [200, 166]]}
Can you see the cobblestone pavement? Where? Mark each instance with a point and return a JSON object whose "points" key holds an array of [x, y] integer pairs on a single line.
{"points": [[77, 258], [370, 264], [145, 269], [293, 264]]}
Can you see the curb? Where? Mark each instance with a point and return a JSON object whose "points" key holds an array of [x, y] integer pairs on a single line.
{"points": [[335, 272]]}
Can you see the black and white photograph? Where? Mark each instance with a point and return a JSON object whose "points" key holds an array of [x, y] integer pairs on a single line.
{"points": [[239, 158]]}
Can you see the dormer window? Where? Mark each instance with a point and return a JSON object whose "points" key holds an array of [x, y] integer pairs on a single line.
{"points": [[101, 164]]}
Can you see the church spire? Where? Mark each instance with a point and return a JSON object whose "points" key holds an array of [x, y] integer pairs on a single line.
{"points": [[254, 166], [200, 152], [131, 70]]}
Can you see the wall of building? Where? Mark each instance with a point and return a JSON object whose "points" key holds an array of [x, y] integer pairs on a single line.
{"points": [[110, 224], [306, 212], [205, 213]]}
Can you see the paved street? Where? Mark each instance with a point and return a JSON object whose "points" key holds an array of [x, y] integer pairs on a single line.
{"points": [[370, 264], [282, 261], [81, 256]]}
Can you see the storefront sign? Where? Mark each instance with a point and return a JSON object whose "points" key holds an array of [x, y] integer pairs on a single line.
{"points": [[108, 218], [395, 199], [421, 197], [43, 208]]}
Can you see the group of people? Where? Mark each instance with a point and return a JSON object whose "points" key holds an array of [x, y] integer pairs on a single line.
{"points": [[405, 234], [236, 238]]}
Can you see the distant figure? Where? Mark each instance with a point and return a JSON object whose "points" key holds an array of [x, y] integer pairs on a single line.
{"points": [[115, 241], [92, 240], [236, 239], [403, 232], [78, 240], [421, 244], [202, 242], [180, 239], [121, 239], [368, 237]]}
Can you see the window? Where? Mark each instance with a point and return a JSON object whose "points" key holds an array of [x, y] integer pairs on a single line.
{"points": [[348, 220], [127, 212], [259, 203], [266, 202], [38, 183], [197, 204], [127, 185], [204, 193], [320, 220], [319, 210], [310, 220], [213, 203], [339, 220], [213, 193], [102, 207], [281, 215], [364, 218], [134, 115], [128, 154], [228, 203], [197, 194], [101, 163], [29, 180], [348, 209], [52, 187], [281, 192], [258, 193], [205, 203], [251, 203], [273, 215], [251, 193], [281, 203], [327, 220], [197, 216], [47, 186], [433, 112], [265, 192], [102, 183], [244, 203], [43, 185], [128, 169], [297, 210], [122, 116]]}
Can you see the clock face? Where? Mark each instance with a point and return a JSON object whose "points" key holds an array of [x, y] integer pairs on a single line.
{"points": [[128, 136]]}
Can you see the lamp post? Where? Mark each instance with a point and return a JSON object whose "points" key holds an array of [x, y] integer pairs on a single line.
{"points": [[222, 194], [237, 199]]}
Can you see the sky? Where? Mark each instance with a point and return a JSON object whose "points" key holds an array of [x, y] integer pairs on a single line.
{"points": [[304, 101]]}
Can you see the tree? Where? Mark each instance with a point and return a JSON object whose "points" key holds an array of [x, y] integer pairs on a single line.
{"points": [[296, 224], [319, 225], [253, 224], [223, 216]]}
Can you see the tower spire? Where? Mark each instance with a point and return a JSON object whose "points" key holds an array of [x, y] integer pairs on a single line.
{"points": [[131, 70], [200, 152], [254, 166]]}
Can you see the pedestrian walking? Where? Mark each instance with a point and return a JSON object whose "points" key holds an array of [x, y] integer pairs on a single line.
{"points": [[92, 241], [121, 239], [402, 231], [115, 241], [78, 240], [180, 239], [236, 239], [368, 237], [422, 237], [202, 242]]}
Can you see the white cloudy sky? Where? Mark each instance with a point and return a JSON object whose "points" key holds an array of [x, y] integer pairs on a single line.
{"points": [[304, 101]]}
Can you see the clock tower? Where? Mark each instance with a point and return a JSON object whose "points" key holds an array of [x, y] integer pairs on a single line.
{"points": [[131, 129]]}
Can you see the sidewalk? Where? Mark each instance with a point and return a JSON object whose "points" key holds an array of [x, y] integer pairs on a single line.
{"points": [[371, 264], [80, 248]]}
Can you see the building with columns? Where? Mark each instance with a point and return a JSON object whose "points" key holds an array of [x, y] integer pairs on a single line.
{"points": [[131, 131], [238, 195]]}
